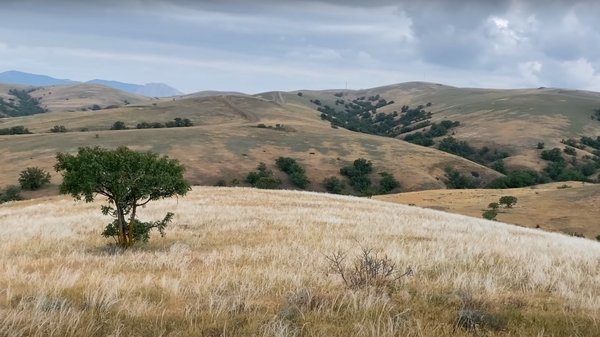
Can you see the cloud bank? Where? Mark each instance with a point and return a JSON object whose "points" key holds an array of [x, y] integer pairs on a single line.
{"points": [[297, 44]]}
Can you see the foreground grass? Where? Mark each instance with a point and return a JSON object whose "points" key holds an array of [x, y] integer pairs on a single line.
{"points": [[243, 262]]}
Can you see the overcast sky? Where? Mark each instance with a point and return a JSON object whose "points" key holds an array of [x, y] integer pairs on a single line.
{"points": [[255, 46]]}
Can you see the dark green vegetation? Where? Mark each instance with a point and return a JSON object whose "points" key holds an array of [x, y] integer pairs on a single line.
{"points": [[175, 123], [436, 130], [558, 167], [263, 178], [129, 180], [508, 201], [294, 171], [362, 115], [33, 178], [457, 180], [15, 130], [11, 193], [58, 129], [23, 105], [334, 185], [359, 178]]}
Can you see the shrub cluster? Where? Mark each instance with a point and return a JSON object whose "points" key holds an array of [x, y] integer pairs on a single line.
{"points": [[15, 130], [436, 130], [58, 129], [263, 178], [334, 185], [457, 180], [11, 193], [294, 171]]}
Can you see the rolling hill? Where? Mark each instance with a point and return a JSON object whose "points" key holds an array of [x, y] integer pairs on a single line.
{"points": [[74, 97], [226, 143], [13, 77], [246, 262], [509, 120]]}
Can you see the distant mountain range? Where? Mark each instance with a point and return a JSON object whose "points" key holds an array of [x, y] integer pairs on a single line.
{"points": [[149, 89]]}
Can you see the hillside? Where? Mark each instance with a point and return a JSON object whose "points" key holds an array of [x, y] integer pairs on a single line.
{"points": [[570, 207], [498, 119], [27, 79], [225, 142], [245, 262]]}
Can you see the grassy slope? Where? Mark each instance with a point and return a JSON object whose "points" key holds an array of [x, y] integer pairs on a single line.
{"points": [[75, 97], [226, 143], [244, 262], [511, 119], [550, 206]]}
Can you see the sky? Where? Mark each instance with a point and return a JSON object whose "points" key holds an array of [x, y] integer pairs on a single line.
{"points": [[257, 46]]}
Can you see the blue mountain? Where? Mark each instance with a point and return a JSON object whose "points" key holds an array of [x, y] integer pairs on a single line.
{"points": [[150, 89]]}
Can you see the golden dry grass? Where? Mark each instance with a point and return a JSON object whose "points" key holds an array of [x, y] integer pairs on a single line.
{"points": [[244, 262], [568, 207]]}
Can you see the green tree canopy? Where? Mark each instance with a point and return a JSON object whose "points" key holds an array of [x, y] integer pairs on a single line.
{"points": [[33, 178], [129, 179]]}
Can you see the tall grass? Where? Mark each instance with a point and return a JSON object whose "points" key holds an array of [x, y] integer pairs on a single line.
{"points": [[244, 262]]}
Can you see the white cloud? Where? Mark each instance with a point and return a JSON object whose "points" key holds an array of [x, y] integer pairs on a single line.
{"points": [[530, 71]]}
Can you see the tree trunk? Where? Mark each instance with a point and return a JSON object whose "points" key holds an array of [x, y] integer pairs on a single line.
{"points": [[120, 226], [130, 236]]}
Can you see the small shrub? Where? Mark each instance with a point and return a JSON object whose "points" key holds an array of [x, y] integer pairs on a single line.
{"points": [[299, 179], [58, 129], [508, 201], [11, 193], [119, 125], [540, 146], [570, 151], [490, 214], [221, 183], [598, 237], [367, 270], [494, 206], [268, 183], [457, 180], [32, 178], [333, 185], [472, 319], [263, 178], [388, 182]]}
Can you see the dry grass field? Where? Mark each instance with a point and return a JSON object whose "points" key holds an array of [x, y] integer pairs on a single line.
{"points": [[568, 207], [244, 262]]}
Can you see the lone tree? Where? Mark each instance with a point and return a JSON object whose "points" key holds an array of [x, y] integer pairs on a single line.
{"points": [[508, 201], [33, 178], [129, 179]]}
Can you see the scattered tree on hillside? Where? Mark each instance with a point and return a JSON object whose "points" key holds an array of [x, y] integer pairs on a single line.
{"points": [[129, 179], [490, 214], [33, 178], [494, 206], [263, 178], [11, 193], [333, 185], [457, 180], [358, 174], [15, 130], [388, 182], [295, 172], [58, 129], [119, 125], [508, 201]]}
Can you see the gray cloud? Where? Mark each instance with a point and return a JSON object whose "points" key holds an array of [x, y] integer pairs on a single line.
{"points": [[265, 45]]}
